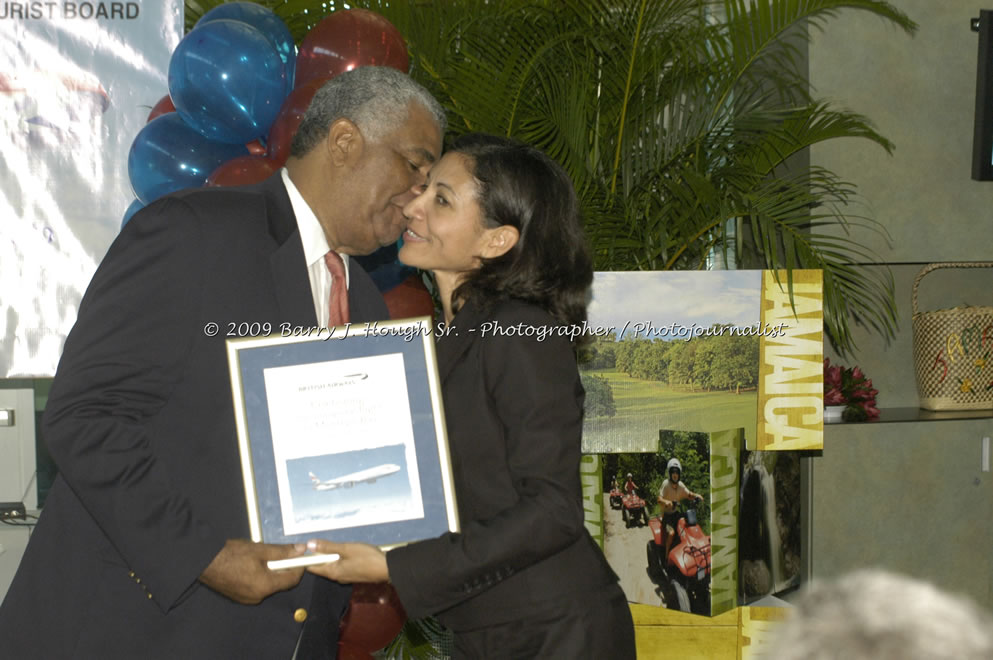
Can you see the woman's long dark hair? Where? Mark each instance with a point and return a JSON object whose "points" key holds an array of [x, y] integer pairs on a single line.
{"points": [[550, 266]]}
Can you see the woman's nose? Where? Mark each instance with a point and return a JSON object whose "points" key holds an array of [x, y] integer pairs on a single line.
{"points": [[413, 206]]}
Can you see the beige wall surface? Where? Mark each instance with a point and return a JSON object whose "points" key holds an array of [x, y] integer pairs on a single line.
{"points": [[912, 497], [920, 93], [914, 503]]}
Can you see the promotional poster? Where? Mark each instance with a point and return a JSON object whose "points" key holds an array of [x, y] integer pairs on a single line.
{"points": [[672, 535], [77, 82], [704, 351]]}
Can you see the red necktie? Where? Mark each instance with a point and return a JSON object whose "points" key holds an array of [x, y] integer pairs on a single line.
{"points": [[338, 301]]}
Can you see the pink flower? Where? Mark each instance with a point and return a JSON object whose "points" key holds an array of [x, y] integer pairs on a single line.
{"points": [[860, 394], [832, 375], [833, 397], [849, 386], [870, 408]]}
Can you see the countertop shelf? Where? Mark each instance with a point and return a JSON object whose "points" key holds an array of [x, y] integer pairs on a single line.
{"points": [[888, 415]]}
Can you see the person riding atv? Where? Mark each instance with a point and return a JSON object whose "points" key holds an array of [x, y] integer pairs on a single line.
{"points": [[672, 491], [686, 568], [615, 494], [633, 509]]}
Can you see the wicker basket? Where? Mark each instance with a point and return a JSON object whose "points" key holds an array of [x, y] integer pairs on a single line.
{"points": [[953, 351]]}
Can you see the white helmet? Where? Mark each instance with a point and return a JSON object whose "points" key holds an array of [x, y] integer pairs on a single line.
{"points": [[674, 465]]}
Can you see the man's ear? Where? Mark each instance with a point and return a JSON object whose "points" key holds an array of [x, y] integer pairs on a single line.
{"points": [[344, 142], [500, 240]]}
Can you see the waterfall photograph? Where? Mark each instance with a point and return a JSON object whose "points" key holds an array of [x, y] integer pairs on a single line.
{"points": [[768, 524]]}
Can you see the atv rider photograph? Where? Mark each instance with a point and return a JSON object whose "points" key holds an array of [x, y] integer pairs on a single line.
{"points": [[672, 491], [629, 485]]}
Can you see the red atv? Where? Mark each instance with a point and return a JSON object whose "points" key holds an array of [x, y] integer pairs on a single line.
{"points": [[616, 497], [687, 568], [633, 510]]}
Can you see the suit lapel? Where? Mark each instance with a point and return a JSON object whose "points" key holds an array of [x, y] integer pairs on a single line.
{"points": [[289, 274], [463, 333], [289, 269]]}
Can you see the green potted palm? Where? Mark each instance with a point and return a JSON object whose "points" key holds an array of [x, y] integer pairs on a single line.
{"points": [[680, 121]]}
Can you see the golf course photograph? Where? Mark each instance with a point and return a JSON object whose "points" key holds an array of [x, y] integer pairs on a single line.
{"points": [[682, 353]]}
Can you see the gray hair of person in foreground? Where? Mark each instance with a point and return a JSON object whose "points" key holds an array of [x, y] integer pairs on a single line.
{"points": [[883, 616], [375, 98]]}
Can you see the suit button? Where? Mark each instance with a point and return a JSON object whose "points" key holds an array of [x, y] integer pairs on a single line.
{"points": [[300, 615]]}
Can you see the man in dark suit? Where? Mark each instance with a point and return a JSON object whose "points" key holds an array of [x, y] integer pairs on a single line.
{"points": [[142, 550]]}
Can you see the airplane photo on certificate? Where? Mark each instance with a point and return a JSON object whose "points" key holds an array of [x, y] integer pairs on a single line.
{"points": [[349, 480], [364, 486]]}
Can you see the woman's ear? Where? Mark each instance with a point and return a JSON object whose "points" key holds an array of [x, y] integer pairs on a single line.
{"points": [[499, 241]]}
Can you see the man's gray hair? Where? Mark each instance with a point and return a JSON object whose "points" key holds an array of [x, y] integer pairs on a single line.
{"points": [[875, 615], [375, 98]]}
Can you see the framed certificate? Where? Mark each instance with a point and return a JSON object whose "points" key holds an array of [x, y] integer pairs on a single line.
{"points": [[342, 436]]}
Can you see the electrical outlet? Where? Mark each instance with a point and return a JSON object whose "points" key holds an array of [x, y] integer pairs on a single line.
{"points": [[12, 511]]}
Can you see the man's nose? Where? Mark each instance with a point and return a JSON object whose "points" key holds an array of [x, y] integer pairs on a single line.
{"points": [[411, 206], [414, 192], [405, 197]]}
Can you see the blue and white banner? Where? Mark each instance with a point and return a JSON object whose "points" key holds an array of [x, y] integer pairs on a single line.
{"points": [[77, 81]]}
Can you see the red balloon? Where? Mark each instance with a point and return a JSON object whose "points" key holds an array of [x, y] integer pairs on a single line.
{"points": [[285, 126], [375, 616], [256, 148], [163, 106], [242, 170], [348, 39], [409, 298]]}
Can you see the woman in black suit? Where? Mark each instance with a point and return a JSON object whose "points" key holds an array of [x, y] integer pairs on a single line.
{"points": [[498, 226]]}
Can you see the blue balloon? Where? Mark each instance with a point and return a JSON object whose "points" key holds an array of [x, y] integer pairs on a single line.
{"points": [[227, 81], [133, 208], [168, 155], [265, 21]]}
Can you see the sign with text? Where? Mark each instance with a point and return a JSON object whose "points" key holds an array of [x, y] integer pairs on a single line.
{"points": [[791, 365], [77, 81]]}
